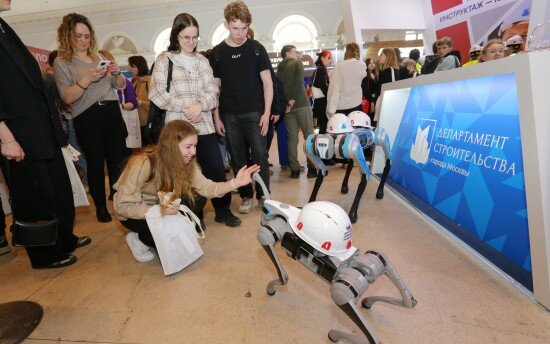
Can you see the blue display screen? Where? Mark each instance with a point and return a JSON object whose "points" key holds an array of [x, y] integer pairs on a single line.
{"points": [[458, 148]]}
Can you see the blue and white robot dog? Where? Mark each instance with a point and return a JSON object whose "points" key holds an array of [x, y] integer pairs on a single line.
{"points": [[319, 237], [348, 138]]}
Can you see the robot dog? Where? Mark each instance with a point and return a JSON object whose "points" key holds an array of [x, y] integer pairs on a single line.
{"points": [[347, 139], [319, 237]]}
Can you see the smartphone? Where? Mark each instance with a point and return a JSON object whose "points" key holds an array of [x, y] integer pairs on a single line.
{"points": [[103, 64]]}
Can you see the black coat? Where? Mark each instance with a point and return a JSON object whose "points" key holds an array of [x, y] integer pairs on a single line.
{"points": [[25, 105]]}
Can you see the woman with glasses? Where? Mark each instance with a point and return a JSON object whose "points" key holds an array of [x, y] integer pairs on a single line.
{"points": [[192, 97]]}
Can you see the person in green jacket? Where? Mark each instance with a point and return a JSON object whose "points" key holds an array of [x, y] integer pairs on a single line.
{"points": [[291, 72]]}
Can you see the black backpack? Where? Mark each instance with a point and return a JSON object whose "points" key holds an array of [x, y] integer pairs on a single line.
{"points": [[278, 105], [430, 64], [155, 121]]}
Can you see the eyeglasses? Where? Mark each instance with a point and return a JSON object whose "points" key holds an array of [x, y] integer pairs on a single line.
{"points": [[189, 38]]}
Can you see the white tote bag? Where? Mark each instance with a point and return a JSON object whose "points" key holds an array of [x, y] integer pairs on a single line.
{"points": [[131, 118], [79, 194], [175, 238]]}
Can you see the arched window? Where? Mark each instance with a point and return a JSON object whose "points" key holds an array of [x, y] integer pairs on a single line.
{"points": [[162, 41], [296, 30], [220, 34]]}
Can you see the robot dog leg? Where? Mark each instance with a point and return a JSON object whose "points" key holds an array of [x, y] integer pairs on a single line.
{"points": [[352, 149], [317, 147], [381, 139]]}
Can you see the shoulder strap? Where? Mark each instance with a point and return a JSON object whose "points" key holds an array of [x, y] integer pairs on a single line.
{"points": [[169, 80], [217, 53], [392, 74], [194, 218]]}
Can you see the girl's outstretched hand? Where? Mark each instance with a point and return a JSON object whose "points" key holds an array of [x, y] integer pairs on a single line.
{"points": [[244, 176]]}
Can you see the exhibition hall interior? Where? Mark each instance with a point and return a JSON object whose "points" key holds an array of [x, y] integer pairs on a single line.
{"points": [[298, 171]]}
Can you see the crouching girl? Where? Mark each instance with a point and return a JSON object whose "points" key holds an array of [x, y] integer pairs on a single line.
{"points": [[169, 166]]}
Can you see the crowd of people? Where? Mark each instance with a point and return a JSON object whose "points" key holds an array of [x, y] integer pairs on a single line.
{"points": [[230, 92]]}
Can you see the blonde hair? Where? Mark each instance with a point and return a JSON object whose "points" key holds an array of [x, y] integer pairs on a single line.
{"points": [[168, 169], [352, 51], [66, 36], [237, 10], [487, 46], [391, 59]]}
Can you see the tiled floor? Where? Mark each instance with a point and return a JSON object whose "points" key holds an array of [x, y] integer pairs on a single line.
{"points": [[107, 297]]}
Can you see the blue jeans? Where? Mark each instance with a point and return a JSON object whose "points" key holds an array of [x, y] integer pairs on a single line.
{"points": [[242, 131], [282, 142]]}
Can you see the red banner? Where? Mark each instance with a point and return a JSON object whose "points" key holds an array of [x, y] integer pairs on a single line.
{"points": [[41, 56]]}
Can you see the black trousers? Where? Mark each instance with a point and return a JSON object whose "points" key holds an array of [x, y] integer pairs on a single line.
{"points": [[348, 111], [243, 130], [101, 132], [33, 202], [320, 112], [4, 167], [140, 227], [210, 160]]}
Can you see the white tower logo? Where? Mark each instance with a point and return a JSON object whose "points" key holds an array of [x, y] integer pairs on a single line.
{"points": [[420, 149]]}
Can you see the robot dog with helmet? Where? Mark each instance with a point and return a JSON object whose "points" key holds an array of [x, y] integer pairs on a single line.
{"points": [[348, 137], [319, 237]]}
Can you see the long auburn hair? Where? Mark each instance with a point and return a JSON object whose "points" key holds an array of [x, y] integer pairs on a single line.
{"points": [[65, 35], [372, 74], [168, 169]]}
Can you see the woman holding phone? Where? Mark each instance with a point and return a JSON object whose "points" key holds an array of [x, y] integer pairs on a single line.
{"points": [[88, 82]]}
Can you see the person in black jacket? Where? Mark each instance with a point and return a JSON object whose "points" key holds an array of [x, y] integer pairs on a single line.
{"points": [[31, 139], [321, 81], [369, 85]]}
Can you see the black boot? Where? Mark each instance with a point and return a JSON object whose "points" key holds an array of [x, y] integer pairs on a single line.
{"points": [[103, 215]]}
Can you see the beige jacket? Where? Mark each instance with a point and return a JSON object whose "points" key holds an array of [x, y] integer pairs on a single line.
{"points": [[141, 84], [135, 195]]}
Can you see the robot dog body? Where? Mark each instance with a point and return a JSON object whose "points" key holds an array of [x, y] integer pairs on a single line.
{"points": [[345, 142], [319, 237]]}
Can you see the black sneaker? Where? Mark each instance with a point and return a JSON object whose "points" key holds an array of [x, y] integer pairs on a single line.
{"points": [[229, 221], [295, 174], [83, 241], [103, 215], [311, 172], [60, 263]]}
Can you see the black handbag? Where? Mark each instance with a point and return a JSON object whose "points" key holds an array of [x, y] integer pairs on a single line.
{"points": [[155, 121], [34, 233]]}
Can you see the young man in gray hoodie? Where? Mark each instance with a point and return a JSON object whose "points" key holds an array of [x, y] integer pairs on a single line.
{"points": [[291, 72]]}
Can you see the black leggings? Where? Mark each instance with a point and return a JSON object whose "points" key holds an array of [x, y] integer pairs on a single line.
{"points": [[101, 132], [140, 227]]}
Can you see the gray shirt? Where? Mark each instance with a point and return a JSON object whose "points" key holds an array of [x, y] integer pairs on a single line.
{"points": [[67, 73]]}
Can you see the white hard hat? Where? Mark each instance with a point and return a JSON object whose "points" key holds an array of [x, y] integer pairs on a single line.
{"points": [[475, 48], [326, 227], [339, 124], [514, 40], [359, 119]]}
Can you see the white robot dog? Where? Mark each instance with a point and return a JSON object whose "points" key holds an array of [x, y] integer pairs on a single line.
{"points": [[319, 237], [347, 139]]}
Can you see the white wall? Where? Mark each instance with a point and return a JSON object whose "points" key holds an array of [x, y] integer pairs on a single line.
{"points": [[381, 15], [145, 22]]}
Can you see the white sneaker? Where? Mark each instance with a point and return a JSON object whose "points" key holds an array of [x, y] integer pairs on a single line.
{"points": [[245, 206], [141, 252]]}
